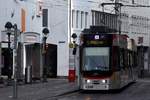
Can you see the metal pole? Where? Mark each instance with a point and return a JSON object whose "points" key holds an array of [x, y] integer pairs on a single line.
{"points": [[70, 15], [74, 56], [142, 61], [9, 52], [8, 39], [103, 17], [44, 60], [118, 12], [15, 62], [119, 19], [41, 60]]}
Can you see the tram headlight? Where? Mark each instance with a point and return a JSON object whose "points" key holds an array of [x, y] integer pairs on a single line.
{"points": [[88, 81], [104, 81]]}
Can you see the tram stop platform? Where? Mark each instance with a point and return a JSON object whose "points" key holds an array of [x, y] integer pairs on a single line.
{"points": [[39, 90]]}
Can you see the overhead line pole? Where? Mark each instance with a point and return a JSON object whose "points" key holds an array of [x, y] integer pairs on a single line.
{"points": [[70, 11], [117, 11], [15, 61]]}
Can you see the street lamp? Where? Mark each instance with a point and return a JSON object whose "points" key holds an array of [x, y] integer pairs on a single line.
{"points": [[8, 27], [117, 12], [45, 32]]}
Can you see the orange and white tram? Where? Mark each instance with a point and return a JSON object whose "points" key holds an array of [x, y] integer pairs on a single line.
{"points": [[107, 61]]}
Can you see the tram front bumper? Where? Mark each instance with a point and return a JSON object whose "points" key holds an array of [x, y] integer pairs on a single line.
{"points": [[95, 85]]}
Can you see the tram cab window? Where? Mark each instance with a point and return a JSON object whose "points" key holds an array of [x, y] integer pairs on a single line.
{"points": [[96, 58]]}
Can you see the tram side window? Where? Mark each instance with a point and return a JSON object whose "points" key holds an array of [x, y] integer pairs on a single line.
{"points": [[116, 59], [135, 59], [131, 59], [126, 64], [121, 63], [128, 55]]}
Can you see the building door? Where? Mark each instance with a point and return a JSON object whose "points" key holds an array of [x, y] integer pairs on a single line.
{"points": [[51, 60], [33, 59]]}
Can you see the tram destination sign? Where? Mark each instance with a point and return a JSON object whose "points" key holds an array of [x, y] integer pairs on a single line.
{"points": [[97, 39]]}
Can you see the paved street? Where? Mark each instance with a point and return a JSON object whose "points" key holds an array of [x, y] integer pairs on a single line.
{"points": [[60, 89], [39, 91], [137, 91]]}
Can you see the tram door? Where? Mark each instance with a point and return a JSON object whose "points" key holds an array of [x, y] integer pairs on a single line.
{"points": [[33, 59], [51, 60]]}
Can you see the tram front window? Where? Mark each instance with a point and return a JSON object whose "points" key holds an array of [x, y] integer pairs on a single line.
{"points": [[96, 59]]}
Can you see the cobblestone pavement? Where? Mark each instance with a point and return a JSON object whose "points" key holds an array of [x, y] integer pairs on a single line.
{"points": [[39, 91]]}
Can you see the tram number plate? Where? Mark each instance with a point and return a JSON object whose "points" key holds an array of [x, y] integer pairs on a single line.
{"points": [[89, 86]]}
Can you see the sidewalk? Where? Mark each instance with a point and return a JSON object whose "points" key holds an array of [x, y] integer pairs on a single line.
{"points": [[39, 91]]}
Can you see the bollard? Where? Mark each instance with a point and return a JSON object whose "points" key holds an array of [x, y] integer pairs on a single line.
{"points": [[28, 75]]}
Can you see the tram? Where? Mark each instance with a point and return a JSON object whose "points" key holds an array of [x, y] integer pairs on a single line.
{"points": [[107, 60]]}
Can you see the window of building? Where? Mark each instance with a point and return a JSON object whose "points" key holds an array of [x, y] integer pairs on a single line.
{"points": [[86, 19], [77, 19], [45, 18], [82, 13], [96, 18], [73, 18], [93, 18]]}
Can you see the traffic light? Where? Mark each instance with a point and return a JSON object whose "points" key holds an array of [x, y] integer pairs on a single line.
{"points": [[74, 51]]}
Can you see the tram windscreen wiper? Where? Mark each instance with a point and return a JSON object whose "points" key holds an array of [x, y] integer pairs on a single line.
{"points": [[102, 68], [96, 63]]}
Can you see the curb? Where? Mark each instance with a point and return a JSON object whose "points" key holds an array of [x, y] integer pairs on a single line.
{"points": [[59, 95]]}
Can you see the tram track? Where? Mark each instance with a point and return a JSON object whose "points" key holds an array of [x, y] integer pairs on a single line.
{"points": [[65, 94], [75, 92], [56, 97]]}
